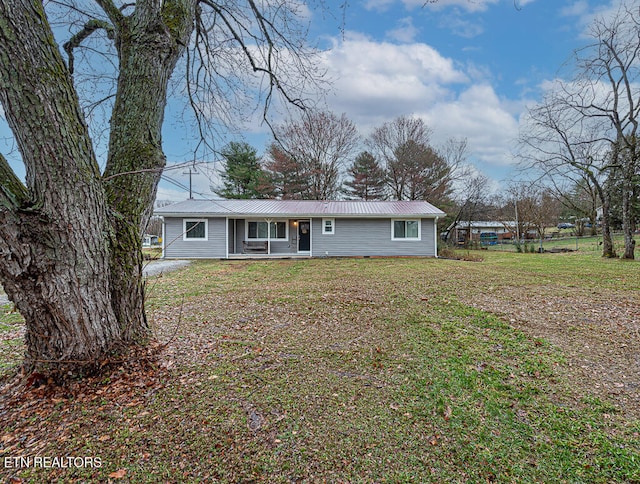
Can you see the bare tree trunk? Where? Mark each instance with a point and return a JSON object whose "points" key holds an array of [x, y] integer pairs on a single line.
{"points": [[70, 240], [627, 228], [148, 51], [608, 249], [627, 210], [51, 265]]}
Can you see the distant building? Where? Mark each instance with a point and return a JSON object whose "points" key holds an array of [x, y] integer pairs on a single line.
{"points": [[150, 241], [462, 231]]}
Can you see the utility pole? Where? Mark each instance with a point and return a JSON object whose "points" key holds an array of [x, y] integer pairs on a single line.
{"points": [[190, 172]]}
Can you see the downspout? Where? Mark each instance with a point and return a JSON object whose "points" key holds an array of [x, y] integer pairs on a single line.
{"points": [[435, 236], [163, 237], [268, 236]]}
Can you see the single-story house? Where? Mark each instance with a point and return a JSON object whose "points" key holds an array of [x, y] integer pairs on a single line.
{"points": [[298, 228]]}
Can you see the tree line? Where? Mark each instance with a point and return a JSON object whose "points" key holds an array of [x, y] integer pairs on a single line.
{"points": [[583, 137], [579, 145], [321, 156]]}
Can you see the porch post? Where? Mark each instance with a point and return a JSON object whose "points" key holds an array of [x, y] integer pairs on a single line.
{"points": [[268, 236], [311, 236], [226, 236]]}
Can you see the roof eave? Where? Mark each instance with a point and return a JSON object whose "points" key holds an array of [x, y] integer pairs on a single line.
{"points": [[298, 215]]}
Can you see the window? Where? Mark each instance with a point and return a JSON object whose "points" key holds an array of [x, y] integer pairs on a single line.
{"points": [[405, 229], [195, 229], [328, 226], [265, 230], [278, 230]]}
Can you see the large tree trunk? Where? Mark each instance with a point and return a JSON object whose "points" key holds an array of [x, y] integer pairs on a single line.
{"points": [[70, 240], [148, 51], [53, 259]]}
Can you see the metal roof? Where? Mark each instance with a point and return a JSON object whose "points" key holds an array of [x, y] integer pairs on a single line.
{"points": [[300, 208]]}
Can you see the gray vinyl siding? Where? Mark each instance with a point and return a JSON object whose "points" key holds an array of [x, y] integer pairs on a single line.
{"points": [[212, 248], [369, 237], [352, 237]]}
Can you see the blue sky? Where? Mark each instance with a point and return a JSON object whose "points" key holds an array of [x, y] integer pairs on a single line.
{"points": [[469, 68]]}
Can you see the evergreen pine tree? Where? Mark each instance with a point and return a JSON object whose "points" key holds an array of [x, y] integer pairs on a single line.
{"points": [[243, 176], [367, 178]]}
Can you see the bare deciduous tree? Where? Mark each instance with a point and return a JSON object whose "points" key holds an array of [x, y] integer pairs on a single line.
{"points": [[70, 237], [415, 170], [590, 124], [614, 62], [534, 209], [562, 143], [319, 143], [473, 197]]}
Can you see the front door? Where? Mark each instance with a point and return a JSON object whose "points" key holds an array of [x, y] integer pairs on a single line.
{"points": [[304, 236]]}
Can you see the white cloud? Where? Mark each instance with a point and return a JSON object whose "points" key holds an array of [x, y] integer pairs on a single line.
{"points": [[461, 27], [581, 15], [406, 32], [576, 9], [469, 5], [484, 119], [584, 14], [168, 194], [378, 5], [378, 81]]}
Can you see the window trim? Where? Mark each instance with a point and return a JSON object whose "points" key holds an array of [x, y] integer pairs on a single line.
{"points": [[324, 227], [277, 239], [406, 239], [185, 234]]}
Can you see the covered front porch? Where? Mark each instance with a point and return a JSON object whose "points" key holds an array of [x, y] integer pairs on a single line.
{"points": [[268, 238]]}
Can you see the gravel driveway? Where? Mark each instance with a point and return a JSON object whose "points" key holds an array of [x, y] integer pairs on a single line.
{"points": [[155, 267]]}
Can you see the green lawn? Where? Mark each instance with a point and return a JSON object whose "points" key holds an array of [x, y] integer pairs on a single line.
{"points": [[341, 370]]}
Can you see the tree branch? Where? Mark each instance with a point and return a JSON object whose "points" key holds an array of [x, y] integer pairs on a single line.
{"points": [[114, 13], [90, 27], [264, 26], [13, 193]]}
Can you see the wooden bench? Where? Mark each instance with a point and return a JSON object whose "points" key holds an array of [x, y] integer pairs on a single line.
{"points": [[255, 247]]}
